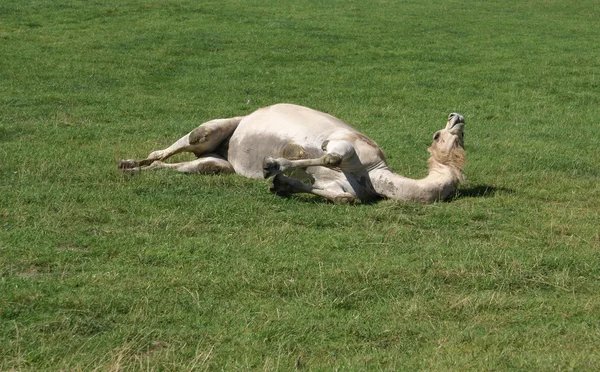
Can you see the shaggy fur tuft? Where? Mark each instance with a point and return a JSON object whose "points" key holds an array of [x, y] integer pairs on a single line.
{"points": [[454, 159]]}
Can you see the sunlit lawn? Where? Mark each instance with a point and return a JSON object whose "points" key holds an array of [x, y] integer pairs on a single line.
{"points": [[164, 271]]}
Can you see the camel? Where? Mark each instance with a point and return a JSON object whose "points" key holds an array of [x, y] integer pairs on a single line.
{"points": [[308, 151]]}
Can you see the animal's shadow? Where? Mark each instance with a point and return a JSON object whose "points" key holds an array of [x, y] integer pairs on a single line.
{"points": [[479, 191]]}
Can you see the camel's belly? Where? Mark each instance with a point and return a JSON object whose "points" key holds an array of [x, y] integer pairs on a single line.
{"points": [[279, 131]]}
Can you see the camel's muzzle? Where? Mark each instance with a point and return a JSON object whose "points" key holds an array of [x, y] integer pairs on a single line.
{"points": [[455, 118], [456, 123]]}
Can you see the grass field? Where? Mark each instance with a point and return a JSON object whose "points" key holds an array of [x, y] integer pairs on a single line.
{"points": [[164, 271]]}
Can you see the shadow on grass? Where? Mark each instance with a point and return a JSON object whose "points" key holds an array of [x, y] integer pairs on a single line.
{"points": [[480, 191], [314, 199]]}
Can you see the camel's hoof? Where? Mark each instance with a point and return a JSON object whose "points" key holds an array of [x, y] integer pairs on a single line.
{"points": [[130, 171], [344, 199], [127, 164], [270, 167], [280, 187]]}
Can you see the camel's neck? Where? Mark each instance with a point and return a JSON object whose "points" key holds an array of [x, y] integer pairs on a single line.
{"points": [[438, 185]]}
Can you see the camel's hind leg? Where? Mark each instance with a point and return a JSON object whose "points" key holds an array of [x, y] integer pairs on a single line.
{"points": [[206, 164], [202, 140], [284, 186]]}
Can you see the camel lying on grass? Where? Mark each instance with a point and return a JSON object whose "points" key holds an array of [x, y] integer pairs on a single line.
{"points": [[308, 151]]}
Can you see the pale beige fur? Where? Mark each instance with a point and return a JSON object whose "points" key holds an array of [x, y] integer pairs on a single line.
{"points": [[308, 151]]}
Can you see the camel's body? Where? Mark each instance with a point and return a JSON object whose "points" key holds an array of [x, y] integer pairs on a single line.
{"points": [[341, 163]]}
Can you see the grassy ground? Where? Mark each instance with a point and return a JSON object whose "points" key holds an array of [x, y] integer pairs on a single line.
{"points": [[171, 272]]}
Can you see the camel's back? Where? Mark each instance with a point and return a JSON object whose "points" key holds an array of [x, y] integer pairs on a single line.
{"points": [[282, 130]]}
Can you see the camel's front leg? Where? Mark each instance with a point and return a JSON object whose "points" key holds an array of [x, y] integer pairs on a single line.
{"points": [[336, 152], [202, 140], [331, 191]]}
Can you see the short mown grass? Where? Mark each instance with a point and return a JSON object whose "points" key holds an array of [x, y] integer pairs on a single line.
{"points": [[164, 271]]}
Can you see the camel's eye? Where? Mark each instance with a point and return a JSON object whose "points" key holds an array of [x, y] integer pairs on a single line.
{"points": [[436, 136]]}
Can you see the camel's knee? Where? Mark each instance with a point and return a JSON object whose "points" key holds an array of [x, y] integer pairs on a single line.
{"points": [[337, 150], [273, 166], [208, 164], [199, 135], [293, 151], [214, 131], [216, 166], [332, 159]]}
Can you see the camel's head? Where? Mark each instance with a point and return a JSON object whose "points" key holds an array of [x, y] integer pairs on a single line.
{"points": [[451, 137], [448, 146]]}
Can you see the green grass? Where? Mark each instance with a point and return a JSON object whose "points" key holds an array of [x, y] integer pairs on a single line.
{"points": [[164, 271]]}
